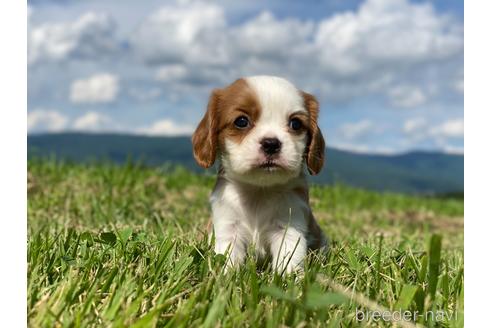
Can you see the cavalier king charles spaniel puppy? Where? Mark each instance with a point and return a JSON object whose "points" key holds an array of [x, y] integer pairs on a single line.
{"points": [[263, 131]]}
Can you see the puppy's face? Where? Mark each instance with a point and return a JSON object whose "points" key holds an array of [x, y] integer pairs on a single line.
{"points": [[263, 128]]}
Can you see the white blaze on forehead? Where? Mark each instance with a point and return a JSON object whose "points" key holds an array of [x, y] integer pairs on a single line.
{"points": [[278, 97]]}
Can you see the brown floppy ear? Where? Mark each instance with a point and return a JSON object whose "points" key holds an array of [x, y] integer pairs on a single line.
{"points": [[315, 150], [204, 138]]}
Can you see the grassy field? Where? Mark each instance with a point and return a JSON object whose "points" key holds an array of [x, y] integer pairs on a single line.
{"points": [[119, 246]]}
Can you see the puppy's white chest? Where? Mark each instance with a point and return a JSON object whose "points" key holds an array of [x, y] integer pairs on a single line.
{"points": [[253, 216]]}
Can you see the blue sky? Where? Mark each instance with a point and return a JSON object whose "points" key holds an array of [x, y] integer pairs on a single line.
{"points": [[388, 73]]}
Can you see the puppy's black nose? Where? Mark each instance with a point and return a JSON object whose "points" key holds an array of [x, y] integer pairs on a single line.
{"points": [[270, 146]]}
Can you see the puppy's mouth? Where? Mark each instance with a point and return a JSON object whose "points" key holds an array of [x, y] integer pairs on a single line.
{"points": [[270, 165]]}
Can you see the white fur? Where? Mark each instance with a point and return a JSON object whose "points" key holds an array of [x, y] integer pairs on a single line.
{"points": [[274, 222]]}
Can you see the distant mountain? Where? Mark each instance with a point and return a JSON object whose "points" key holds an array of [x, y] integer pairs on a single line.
{"points": [[414, 172]]}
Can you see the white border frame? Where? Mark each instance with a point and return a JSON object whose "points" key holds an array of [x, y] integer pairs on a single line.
{"points": [[13, 170], [478, 163]]}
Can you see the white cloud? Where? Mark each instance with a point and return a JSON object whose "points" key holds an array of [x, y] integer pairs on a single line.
{"points": [[90, 36], [356, 130], [356, 148], [41, 120], [454, 128], [459, 85], [414, 125], [416, 130], [383, 43], [99, 88], [454, 150], [189, 31], [45, 120], [171, 73], [407, 96], [350, 54], [388, 30], [91, 121], [367, 51], [443, 135], [266, 36], [363, 148], [167, 127]]}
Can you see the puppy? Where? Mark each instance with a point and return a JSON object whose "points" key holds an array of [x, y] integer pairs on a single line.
{"points": [[262, 130]]}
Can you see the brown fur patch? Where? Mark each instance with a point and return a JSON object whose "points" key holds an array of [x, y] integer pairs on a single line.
{"points": [[204, 138], [224, 107], [238, 99], [316, 143], [317, 240], [302, 192]]}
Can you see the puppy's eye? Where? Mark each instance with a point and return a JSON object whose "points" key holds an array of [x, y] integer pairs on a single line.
{"points": [[241, 122], [295, 124]]}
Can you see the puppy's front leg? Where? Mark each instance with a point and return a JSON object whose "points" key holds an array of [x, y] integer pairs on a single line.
{"points": [[228, 241], [288, 247]]}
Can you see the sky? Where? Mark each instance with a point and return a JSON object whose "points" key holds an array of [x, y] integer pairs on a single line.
{"points": [[388, 73]]}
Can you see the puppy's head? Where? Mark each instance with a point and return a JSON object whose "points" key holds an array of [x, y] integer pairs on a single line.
{"points": [[263, 128]]}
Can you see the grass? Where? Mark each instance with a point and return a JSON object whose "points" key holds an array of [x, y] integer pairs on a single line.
{"points": [[126, 246]]}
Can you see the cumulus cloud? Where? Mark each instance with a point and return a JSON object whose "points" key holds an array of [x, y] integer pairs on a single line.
{"points": [[46, 120], [440, 134], [453, 150], [380, 45], [43, 120], [414, 125], [356, 130], [368, 51], [189, 31], [363, 148], [92, 121], [356, 148], [407, 96], [167, 127], [99, 88], [454, 128], [382, 31], [90, 36], [265, 35], [459, 85], [384, 43], [171, 73]]}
